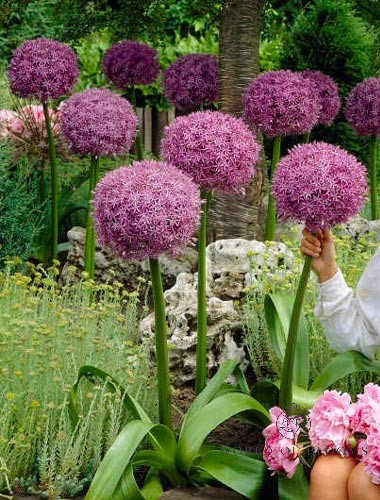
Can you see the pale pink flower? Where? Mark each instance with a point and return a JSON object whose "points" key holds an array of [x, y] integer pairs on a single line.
{"points": [[366, 409], [7, 117], [371, 452]]}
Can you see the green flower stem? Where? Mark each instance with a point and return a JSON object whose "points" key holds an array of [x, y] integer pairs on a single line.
{"points": [[201, 356], [373, 177], [89, 252], [162, 356], [271, 214], [286, 387], [306, 138], [54, 185], [138, 143]]}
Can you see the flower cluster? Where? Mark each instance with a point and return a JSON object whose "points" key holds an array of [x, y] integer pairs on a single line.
{"points": [[98, 122], [146, 209], [328, 94], [42, 69], [130, 63], [217, 150], [282, 102], [191, 81], [363, 107], [319, 184]]}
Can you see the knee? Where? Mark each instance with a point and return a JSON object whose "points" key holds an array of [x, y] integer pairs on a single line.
{"points": [[330, 468], [360, 485]]}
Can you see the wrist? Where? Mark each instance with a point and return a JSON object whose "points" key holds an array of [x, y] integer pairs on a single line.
{"points": [[327, 273]]}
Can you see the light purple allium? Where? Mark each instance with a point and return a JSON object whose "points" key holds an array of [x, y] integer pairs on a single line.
{"points": [[43, 69], [328, 94], [98, 122], [281, 103], [363, 107], [217, 150], [191, 81], [130, 63], [319, 184], [146, 209]]}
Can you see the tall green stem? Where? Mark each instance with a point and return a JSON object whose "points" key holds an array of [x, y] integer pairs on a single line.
{"points": [[89, 252], [306, 138], [373, 177], [271, 214], [286, 387], [138, 143], [162, 357], [54, 185], [201, 365]]}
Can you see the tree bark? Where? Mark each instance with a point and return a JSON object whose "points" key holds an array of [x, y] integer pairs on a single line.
{"points": [[233, 216]]}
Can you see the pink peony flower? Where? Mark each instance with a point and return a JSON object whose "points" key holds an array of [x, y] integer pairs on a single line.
{"points": [[191, 81], [328, 93], [371, 452], [367, 409], [363, 107], [330, 422], [146, 209], [7, 118], [319, 184], [43, 69], [216, 150], [282, 103]]}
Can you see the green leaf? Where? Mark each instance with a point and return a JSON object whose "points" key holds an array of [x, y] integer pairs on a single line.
{"points": [[158, 461], [304, 399], [266, 393], [241, 380], [241, 473], [63, 247], [127, 488], [278, 310], [342, 365], [295, 488], [152, 489]]}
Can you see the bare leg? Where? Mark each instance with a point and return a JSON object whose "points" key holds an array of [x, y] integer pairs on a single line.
{"points": [[360, 486], [329, 478]]}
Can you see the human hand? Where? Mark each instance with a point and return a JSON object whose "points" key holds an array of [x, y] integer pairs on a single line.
{"points": [[321, 247]]}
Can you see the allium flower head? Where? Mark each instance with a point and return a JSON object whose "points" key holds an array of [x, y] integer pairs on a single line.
{"points": [[328, 93], [191, 81], [217, 150], [330, 422], [98, 122], [130, 63], [281, 103], [146, 209], [42, 69], [363, 107], [319, 184]]}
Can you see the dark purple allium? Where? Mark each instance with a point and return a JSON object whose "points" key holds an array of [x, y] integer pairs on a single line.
{"points": [[98, 122], [130, 63], [146, 209], [281, 103], [42, 69], [191, 81], [328, 93], [363, 107], [217, 150], [319, 184]]}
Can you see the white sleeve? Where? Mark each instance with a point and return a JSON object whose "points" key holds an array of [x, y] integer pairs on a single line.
{"points": [[352, 322]]}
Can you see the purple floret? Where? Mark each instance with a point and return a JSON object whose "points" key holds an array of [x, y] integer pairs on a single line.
{"points": [[363, 107], [146, 209], [319, 184], [217, 150], [191, 81], [329, 94], [98, 122], [280, 103], [43, 69], [130, 63]]}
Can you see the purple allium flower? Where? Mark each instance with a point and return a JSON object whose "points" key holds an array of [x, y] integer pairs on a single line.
{"points": [[319, 184], [217, 150], [363, 107], [146, 209], [42, 69], [328, 93], [191, 81], [130, 63], [281, 103], [98, 122]]}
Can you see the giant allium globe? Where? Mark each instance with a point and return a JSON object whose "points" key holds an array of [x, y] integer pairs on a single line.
{"points": [[363, 107], [42, 69], [98, 122], [130, 63], [217, 150], [319, 184], [191, 81], [146, 209], [279, 103], [328, 93]]}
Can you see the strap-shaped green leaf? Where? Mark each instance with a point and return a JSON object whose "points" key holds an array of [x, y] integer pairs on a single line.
{"points": [[160, 462], [296, 488]]}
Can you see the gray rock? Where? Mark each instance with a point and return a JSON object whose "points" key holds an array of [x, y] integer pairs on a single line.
{"points": [[200, 493]]}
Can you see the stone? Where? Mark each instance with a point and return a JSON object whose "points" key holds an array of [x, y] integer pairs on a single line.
{"points": [[207, 493], [358, 227]]}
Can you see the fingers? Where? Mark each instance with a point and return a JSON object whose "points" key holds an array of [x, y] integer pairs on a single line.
{"points": [[309, 248]]}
